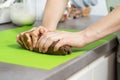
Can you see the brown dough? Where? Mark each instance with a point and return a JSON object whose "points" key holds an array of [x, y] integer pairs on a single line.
{"points": [[86, 11], [64, 50]]}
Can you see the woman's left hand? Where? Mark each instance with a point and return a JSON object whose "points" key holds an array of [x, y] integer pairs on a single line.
{"points": [[74, 39], [28, 39]]}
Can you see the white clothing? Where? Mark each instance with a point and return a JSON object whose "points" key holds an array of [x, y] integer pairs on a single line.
{"points": [[84, 3]]}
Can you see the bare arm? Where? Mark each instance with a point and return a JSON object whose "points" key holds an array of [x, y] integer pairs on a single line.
{"points": [[53, 12], [106, 26]]}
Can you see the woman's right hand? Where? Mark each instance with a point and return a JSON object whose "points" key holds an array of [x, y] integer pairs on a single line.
{"points": [[28, 39]]}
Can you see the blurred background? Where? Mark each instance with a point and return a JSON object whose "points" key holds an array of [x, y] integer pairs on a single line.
{"points": [[26, 12], [99, 9]]}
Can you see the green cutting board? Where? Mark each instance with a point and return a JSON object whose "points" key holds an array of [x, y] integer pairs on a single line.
{"points": [[11, 52]]}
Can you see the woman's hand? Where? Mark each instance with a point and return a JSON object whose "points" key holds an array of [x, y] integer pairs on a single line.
{"points": [[76, 39], [28, 39]]}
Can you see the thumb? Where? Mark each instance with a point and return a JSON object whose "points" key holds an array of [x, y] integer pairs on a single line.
{"points": [[43, 30]]}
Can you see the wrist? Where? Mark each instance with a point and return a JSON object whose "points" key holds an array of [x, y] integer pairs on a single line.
{"points": [[82, 38], [90, 36], [50, 26], [87, 36]]}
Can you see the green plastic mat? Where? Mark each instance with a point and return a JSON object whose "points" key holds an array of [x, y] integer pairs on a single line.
{"points": [[11, 52]]}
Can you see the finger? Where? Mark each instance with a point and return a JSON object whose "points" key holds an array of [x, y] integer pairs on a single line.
{"points": [[42, 30], [50, 35], [32, 29], [19, 40], [28, 41], [46, 38], [37, 44], [49, 43], [23, 40], [50, 38], [30, 38], [34, 40], [34, 36], [41, 44], [59, 44]]}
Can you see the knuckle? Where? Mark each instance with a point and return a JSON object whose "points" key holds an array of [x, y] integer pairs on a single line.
{"points": [[46, 35], [17, 36], [29, 41], [58, 45], [68, 42], [33, 34], [18, 41], [26, 34], [38, 41], [41, 27], [63, 42], [50, 38], [118, 7], [22, 33], [34, 31]]}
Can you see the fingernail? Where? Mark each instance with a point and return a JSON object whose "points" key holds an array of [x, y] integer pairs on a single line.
{"points": [[31, 48], [36, 45], [44, 51], [55, 49], [33, 45], [40, 50]]}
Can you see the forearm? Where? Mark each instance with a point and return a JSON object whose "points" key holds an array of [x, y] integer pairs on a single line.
{"points": [[104, 27], [53, 12]]}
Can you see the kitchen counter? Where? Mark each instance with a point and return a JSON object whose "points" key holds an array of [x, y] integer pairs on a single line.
{"points": [[64, 71]]}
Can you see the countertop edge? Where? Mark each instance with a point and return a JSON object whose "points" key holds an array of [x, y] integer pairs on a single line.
{"points": [[68, 69]]}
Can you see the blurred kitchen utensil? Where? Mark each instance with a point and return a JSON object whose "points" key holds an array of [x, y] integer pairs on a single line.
{"points": [[78, 3], [84, 3], [111, 4], [4, 11], [88, 3], [22, 12], [93, 2], [4, 16], [40, 6], [80, 8]]}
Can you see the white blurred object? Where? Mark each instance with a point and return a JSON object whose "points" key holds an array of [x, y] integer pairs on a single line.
{"points": [[94, 2], [90, 2], [23, 13], [4, 16], [84, 3], [100, 9], [5, 4], [30, 5], [4, 10], [40, 6]]}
